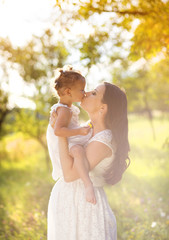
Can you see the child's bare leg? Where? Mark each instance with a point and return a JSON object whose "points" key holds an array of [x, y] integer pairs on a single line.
{"points": [[81, 165]]}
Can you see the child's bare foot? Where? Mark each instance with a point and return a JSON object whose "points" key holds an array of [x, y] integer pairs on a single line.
{"points": [[90, 195]]}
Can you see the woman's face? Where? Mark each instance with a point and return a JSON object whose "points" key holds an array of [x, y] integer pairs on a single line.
{"points": [[92, 102]]}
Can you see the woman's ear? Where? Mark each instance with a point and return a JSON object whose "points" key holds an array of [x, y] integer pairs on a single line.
{"points": [[103, 109]]}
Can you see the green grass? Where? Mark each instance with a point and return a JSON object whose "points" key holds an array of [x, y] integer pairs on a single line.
{"points": [[139, 201], [25, 188]]}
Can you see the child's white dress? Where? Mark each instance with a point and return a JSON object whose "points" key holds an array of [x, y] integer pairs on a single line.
{"points": [[52, 139], [70, 216]]}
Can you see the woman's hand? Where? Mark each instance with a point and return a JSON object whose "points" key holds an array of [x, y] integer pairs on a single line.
{"points": [[53, 118]]}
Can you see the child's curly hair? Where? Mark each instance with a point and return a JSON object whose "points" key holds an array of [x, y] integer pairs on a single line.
{"points": [[67, 77]]}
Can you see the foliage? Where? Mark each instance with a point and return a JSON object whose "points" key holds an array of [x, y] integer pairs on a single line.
{"points": [[35, 63], [147, 88], [151, 35], [122, 33], [119, 33], [37, 59], [3, 107]]}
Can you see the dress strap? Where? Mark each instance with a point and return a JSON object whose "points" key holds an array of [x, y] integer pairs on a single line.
{"points": [[104, 137]]}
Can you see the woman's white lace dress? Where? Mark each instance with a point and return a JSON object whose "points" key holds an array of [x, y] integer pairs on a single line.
{"points": [[70, 216]]}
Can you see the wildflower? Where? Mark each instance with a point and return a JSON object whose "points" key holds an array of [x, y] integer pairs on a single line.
{"points": [[153, 224], [167, 222], [162, 214]]}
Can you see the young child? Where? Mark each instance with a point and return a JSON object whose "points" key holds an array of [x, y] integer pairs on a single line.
{"points": [[70, 88]]}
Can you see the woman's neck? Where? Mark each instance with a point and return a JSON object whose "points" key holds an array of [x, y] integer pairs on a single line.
{"points": [[98, 125]]}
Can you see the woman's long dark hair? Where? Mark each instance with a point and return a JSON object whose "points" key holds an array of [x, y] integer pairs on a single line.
{"points": [[116, 120]]}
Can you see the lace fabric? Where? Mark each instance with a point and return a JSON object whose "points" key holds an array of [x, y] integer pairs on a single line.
{"points": [[104, 136], [75, 112], [97, 174], [70, 216], [52, 139]]}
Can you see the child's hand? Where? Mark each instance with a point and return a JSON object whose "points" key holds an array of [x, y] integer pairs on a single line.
{"points": [[84, 130]]}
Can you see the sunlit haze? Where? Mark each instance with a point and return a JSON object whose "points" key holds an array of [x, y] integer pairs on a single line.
{"points": [[20, 19]]}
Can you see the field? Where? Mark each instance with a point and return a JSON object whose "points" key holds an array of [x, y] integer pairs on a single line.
{"points": [[140, 201]]}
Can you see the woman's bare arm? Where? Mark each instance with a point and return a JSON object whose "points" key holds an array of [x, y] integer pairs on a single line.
{"points": [[95, 152]]}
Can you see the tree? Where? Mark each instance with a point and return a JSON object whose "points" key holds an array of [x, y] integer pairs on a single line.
{"points": [[35, 63], [124, 32], [3, 108], [151, 35]]}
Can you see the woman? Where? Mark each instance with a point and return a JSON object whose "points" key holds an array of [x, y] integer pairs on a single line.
{"points": [[70, 217]]}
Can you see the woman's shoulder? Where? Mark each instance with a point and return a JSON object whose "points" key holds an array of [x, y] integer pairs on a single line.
{"points": [[100, 148], [104, 137]]}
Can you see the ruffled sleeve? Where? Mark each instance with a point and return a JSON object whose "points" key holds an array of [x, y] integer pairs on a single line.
{"points": [[75, 110], [55, 106], [105, 137]]}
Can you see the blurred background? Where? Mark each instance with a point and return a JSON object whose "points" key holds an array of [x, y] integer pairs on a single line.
{"points": [[125, 42]]}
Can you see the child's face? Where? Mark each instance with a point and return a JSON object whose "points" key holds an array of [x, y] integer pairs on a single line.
{"points": [[77, 91]]}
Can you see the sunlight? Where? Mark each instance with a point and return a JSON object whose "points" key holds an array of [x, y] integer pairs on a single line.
{"points": [[20, 19]]}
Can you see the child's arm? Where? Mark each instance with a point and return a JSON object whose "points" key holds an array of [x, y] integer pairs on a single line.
{"points": [[62, 121]]}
